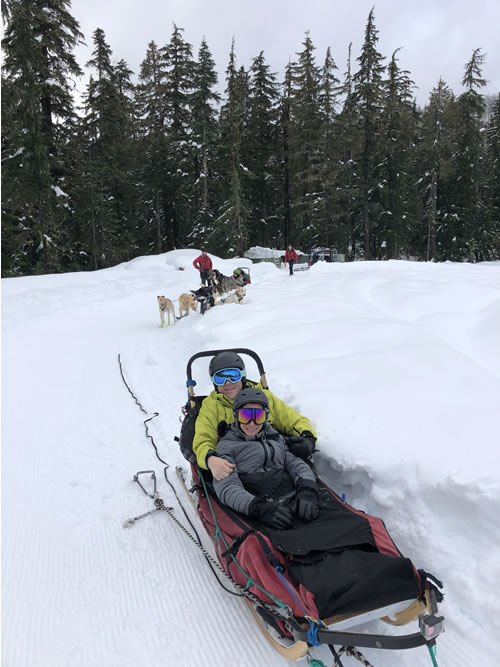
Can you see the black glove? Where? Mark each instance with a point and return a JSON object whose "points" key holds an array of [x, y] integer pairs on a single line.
{"points": [[271, 513], [306, 500], [302, 445]]}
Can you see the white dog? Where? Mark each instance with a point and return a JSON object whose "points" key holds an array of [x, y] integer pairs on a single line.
{"points": [[236, 297]]}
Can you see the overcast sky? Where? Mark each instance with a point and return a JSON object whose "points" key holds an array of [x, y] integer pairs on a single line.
{"points": [[437, 36]]}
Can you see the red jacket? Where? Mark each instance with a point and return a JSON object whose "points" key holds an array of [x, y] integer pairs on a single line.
{"points": [[290, 255], [203, 263]]}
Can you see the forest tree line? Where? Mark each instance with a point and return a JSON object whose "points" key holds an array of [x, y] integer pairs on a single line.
{"points": [[163, 161]]}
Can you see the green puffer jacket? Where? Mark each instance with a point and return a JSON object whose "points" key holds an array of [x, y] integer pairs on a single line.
{"points": [[217, 407]]}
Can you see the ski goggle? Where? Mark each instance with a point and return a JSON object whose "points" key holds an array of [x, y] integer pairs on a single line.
{"points": [[234, 375], [247, 415]]}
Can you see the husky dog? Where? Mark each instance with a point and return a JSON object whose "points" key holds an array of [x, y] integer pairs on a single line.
{"points": [[165, 304], [186, 301], [236, 297], [213, 279], [221, 284], [204, 296]]}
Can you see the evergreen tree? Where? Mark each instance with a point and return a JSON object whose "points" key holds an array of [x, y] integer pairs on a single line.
{"points": [[347, 149], [262, 154], [328, 98], [396, 196], [205, 137], [491, 240], [150, 110], [37, 107], [180, 177], [306, 148], [369, 96], [436, 149], [104, 210], [230, 234], [284, 124], [466, 227]]}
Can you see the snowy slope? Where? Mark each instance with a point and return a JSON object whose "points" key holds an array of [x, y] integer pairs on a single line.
{"points": [[398, 366]]}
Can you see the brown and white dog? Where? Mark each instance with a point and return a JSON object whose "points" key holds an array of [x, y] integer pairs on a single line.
{"points": [[186, 301], [165, 304], [236, 297]]}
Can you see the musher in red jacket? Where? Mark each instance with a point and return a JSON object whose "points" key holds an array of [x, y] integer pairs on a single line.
{"points": [[204, 264], [290, 257]]}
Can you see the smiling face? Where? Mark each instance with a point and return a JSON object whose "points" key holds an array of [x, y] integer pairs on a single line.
{"points": [[251, 429], [230, 390]]}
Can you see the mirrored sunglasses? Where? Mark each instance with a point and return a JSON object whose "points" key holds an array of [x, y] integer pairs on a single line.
{"points": [[247, 415], [232, 374]]}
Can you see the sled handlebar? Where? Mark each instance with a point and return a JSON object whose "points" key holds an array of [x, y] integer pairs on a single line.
{"points": [[211, 353]]}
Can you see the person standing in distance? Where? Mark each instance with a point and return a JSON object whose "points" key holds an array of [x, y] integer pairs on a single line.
{"points": [[290, 257], [204, 264]]}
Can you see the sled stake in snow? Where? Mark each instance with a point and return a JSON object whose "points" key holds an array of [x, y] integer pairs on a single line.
{"points": [[302, 598]]}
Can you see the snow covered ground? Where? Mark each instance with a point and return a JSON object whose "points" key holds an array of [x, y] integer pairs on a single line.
{"points": [[396, 363]]}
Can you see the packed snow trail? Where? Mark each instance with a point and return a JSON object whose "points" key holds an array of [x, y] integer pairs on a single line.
{"points": [[377, 355]]}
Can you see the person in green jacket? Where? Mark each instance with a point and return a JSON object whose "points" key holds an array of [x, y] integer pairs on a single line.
{"points": [[228, 374]]}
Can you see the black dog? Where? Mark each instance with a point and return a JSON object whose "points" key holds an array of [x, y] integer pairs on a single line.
{"points": [[205, 297]]}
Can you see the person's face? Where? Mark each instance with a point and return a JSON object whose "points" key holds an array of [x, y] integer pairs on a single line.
{"points": [[229, 389], [289, 247], [251, 428], [204, 253]]}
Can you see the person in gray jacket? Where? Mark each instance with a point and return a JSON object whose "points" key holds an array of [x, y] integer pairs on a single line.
{"points": [[268, 482]]}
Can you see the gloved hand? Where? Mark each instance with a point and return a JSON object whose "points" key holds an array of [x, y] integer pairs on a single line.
{"points": [[271, 513], [306, 500], [302, 445]]}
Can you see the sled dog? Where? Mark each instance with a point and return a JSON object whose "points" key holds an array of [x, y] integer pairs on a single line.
{"points": [[165, 304], [236, 297], [220, 283], [204, 296], [186, 301]]}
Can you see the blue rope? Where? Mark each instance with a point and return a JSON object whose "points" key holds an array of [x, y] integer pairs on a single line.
{"points": [[314, 623]]}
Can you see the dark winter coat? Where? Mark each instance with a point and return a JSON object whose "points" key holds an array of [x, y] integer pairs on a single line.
{"points": [[203, 263], [290, 255], [265, 468]]}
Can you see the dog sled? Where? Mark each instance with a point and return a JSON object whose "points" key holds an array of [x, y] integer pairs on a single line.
{"points": [[301, 598]]}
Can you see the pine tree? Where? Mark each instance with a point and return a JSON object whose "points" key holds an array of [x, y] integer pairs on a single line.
{"points": [[37, 107], [491, 240], [205, 137], [369, 95], [230, 234], [436, 149], [347, 149], [306, 148], [261, 150], [180, 177], [466, 227], [396, 196], [150, 110], [328, 98], [284, 125], [107, 152]]}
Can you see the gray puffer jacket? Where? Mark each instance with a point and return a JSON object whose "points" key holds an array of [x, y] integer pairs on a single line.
{"points": [[265, 468]]}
